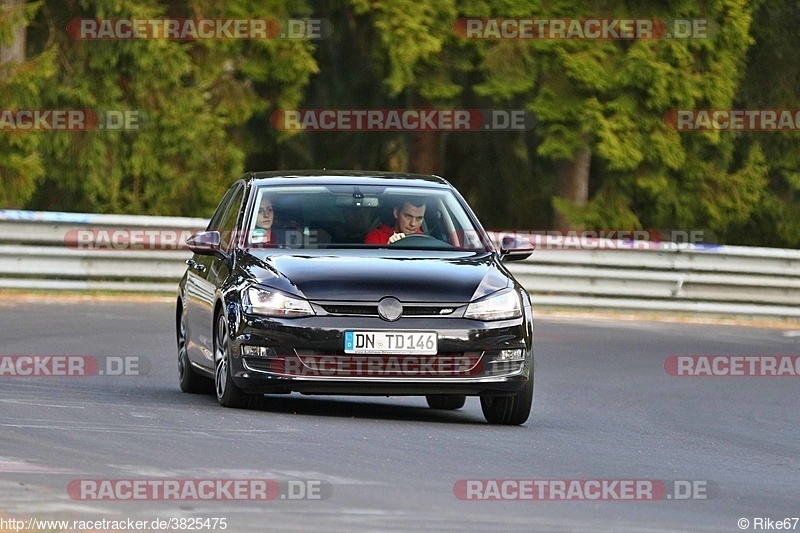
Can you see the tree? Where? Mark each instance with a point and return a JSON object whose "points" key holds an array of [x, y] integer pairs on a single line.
{"points": [[192, 98], [601, 106], [602, 155], [21, 80], [412, 36], [772, 81], [602, 149]]}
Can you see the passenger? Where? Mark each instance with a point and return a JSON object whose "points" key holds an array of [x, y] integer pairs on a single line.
{"points": [[407, 221], [264, 234]]}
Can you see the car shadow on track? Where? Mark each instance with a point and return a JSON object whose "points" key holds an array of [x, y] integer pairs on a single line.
{"points": [[372, 408]]}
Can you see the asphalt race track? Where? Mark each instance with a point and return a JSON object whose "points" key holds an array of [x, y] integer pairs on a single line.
{"points": [[605, 408]]}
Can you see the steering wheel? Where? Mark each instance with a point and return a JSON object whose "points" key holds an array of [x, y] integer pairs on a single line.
{"points": [[420, 240]]}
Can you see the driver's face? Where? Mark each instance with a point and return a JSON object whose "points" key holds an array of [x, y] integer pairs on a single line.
{"points": [[408, 219]]}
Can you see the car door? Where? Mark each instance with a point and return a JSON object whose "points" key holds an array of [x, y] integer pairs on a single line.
{"points": [[218, 269], [200, 289]]}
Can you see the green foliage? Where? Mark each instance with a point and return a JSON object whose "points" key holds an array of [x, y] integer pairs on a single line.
{"points": [[412, 34], [206, 107], [20, 85], [616, 94], [772, 81], [191, 99]]}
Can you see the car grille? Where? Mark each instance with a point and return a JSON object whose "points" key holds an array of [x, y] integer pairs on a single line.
{"points": [[351, 310], [372, 310]]}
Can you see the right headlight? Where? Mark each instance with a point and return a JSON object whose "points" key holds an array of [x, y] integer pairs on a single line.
{"points": [[273, 303], [500, 306]]}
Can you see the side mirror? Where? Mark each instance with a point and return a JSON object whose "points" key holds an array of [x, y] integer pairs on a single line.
{"points": [[205, 243], [515, 248]]}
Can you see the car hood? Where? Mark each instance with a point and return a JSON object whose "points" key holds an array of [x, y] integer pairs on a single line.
{"points": [[450, 277]]}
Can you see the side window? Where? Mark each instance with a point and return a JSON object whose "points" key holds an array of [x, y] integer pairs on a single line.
{"points": [[216, 218], [227, 228]]}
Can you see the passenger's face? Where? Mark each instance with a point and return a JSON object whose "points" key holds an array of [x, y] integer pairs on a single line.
{"points": [[408, 219], [265, 214]]}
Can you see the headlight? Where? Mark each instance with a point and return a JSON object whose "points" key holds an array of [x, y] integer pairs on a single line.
{"points": [[272, 303], [499, 307]]}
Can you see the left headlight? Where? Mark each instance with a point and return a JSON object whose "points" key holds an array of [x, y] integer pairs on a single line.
{"points": [[273, 303], [498, 307]]}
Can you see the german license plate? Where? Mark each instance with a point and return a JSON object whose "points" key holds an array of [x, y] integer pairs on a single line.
{"points": [[391, 342]]}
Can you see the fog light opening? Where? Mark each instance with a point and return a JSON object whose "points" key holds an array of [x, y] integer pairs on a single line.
{"points": [[258, 351], [509, 355]]}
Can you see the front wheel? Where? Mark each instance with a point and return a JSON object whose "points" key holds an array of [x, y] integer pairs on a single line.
{"points": [[228, 394], [509, 410]]}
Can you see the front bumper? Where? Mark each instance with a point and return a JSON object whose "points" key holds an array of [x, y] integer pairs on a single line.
{"points": [[279, 355]]}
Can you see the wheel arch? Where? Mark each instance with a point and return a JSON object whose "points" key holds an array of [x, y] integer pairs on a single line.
{"points": [[226, 302]]}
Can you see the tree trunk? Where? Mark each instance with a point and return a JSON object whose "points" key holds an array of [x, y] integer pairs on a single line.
{"points": [[573, 183], [425, 152]]}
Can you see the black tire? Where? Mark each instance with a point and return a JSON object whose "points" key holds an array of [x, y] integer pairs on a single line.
{"points": [[509, 410], [228, 393], [446, 401], [190, 381]]}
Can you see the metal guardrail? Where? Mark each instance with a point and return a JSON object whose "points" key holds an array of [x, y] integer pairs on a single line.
{"points": [[41, 250], [726, 280]]}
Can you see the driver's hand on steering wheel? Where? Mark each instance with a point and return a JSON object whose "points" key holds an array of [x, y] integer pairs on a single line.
{"points": [[396, 237]]}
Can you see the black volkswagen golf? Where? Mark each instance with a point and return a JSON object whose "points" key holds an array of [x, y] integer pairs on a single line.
{"points": [[362, 283]]}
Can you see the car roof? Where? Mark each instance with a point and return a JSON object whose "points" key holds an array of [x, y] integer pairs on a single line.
{"points": [[344, 177]]}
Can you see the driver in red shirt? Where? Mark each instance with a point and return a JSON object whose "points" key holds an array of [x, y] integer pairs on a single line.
{"points": [[407, 221]]}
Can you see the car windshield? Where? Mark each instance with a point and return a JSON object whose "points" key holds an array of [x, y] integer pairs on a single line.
{"points": [[347, 216]]}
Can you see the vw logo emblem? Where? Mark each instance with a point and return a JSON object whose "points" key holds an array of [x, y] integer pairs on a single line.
{"points": [[390, 309]]}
